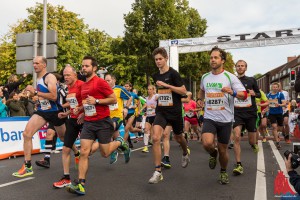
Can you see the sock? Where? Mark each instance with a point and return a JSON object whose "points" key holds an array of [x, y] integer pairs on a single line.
{"points": [[67, 176], [48, 148], [146, 139], [81, 181], [223, 170], [129, 140], [27, 163], [214, 154], [239, 163], [157, 167]]}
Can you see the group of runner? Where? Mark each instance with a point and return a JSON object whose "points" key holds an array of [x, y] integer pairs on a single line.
{"points": [[98, 107]]}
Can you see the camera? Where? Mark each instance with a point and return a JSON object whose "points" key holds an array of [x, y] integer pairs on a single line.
{"points": [[295, 159]]}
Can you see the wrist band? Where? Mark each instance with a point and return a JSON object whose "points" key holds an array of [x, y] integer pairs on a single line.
{"points": [[234, 93]]}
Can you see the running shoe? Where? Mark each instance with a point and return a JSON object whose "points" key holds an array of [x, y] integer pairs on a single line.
{"points": [[255, 148], [185, 160], [156, 177], [238, 170], [76, 160], [23, 172], [212, 162], [165, 162], [76, 188], [288, 141], [124, 148], [63, 182], [43, 163], [223, 178], [230, 146], [264, 140], [145, 149], [113, 157], [278, 146]]}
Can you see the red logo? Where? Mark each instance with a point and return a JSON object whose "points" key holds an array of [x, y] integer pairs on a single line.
{"points": [[282, 186]]}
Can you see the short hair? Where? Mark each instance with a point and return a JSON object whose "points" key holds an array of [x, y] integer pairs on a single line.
{"points": [[94, 61], [72, 68], [44, 60], [128, 83], [222, 52], [111, 75], [241, 61], [276, 83], [160, 50]]}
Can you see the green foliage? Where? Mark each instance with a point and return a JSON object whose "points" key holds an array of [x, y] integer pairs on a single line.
{"points": [[257, 76]]}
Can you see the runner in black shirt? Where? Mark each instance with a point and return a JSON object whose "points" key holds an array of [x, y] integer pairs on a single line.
{"points": [[245, 114]]}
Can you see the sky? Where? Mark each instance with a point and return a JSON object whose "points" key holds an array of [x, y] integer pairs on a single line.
{"points": [[223, 18]]}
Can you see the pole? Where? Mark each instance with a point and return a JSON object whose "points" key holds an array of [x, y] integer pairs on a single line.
{"points": [[35, 49], [45, 29]]}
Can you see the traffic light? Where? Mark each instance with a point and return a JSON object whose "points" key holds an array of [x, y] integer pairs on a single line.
{"points": [[293, 75]]}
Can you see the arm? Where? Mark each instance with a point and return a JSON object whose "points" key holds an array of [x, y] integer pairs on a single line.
{"points": [[255, 92], [179, 90], [110, 99]]}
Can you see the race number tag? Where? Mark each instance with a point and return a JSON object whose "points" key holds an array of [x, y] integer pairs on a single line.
{"points": [[89, 110], [190, 114], [273, 102], [165, 97], [45, 103], [113, 106], [239, 103], [150, 111], [215, 101], [71, 98]]}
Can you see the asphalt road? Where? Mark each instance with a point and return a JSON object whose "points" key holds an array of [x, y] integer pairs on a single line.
{"points": [[130, 181]]}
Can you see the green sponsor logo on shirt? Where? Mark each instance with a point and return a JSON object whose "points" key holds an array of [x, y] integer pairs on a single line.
{"points": [[214, 85]]}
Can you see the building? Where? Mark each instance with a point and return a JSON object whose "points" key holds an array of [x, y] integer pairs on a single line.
{"points": [[281, 74]]}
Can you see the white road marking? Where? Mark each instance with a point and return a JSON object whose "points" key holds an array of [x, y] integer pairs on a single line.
{"points": [[15, 182], [260, 185]]}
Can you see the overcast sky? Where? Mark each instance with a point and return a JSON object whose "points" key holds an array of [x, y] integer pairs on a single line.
{"points": [[223, 17]]}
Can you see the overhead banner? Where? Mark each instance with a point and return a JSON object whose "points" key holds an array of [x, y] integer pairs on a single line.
{"points": [[236, 37]]}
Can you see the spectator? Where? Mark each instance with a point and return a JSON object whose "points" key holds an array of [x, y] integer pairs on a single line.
{"points": [[31, 106], [3, 107], [294, 177], [13, 83], [101, 72], [16, 107]]}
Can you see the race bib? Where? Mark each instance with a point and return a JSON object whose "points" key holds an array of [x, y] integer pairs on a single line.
{"points": [[113, 106], [44, 103], [273, 102], [89, 110], [150, 111], [239, 103], [165, 97], [215, 101], [190, 114], [71, 98]]}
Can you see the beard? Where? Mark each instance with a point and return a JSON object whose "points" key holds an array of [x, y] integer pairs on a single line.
{"points": [[87, 74], [216, 66]]}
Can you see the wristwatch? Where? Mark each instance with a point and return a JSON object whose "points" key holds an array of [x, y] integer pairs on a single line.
{"points": [[97, 101]]}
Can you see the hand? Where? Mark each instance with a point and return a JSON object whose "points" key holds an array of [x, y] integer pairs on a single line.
{"points": [[76, 111], [227, 90], [62, 115], [80, 118], [30, 89], [288, 164], [24, 75], [252, 93], [163, 84], [91, 100]]}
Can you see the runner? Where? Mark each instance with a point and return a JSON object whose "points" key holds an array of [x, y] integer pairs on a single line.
{"points": [[168, 111], [96, 96], [262, 111], [48, 110], [245, 114], [219, 88], [116, 110], [150, 106], [73, 123], [286, 113], [276, 102], [190, 118]]}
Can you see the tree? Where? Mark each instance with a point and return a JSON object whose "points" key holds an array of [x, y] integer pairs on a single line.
{"points": [[72, 37], [154, 20], [257, 76]]}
